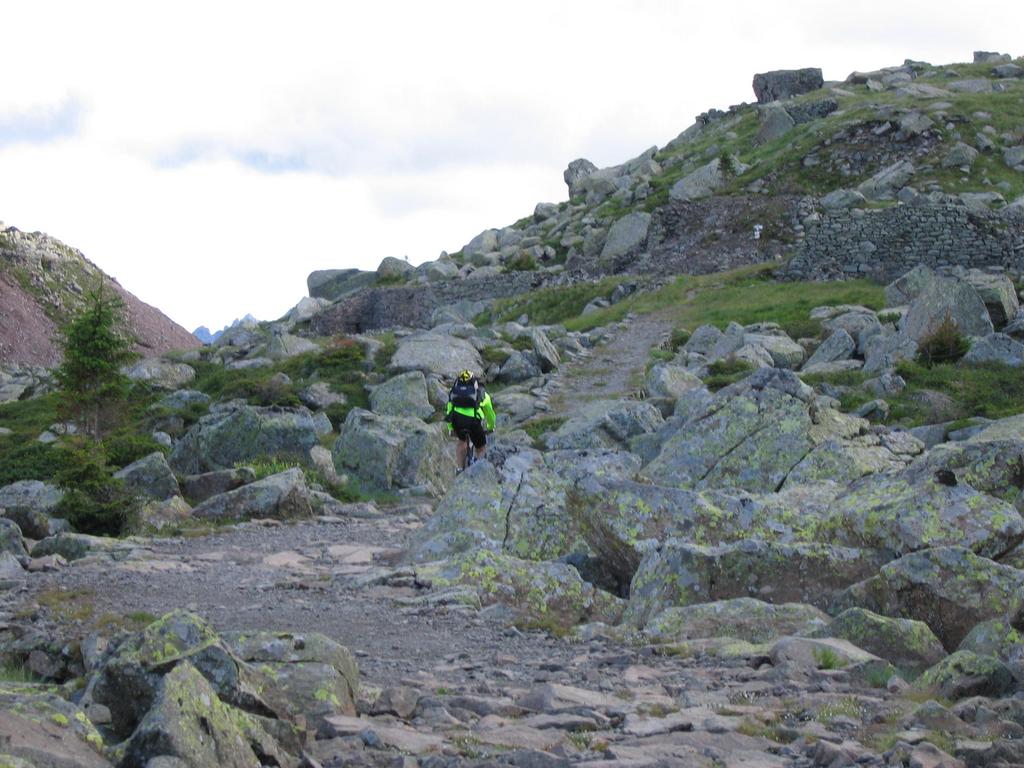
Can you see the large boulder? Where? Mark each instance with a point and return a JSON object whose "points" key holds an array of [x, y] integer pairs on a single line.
{"points": [[785, 83], [161, 374], [678, 573], [535, 594], [704, 181], [402, 395], [626, 237], [965, 674], [665, 380], [950, 589], [434, 353], [199, 488], [887, 182], [913, 510], [574, 175], [996, 348], [315, 672], [393, 269], [395, 452], [150, 477], [546, 353], [944, 298], [129, 680], [30, 503], [904, 289], [75, 546], [838, 346], [283, 496], [749, 436], [234, 433], [742, 618], [39, 729], [11, 540], [905, 643], [187, 721], [605, 424], [776, 122]]}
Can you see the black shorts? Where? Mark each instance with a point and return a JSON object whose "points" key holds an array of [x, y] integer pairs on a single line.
{"points": [[467, 425]]}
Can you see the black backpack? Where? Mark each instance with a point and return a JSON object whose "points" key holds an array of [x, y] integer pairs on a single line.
{"points": [[465, 394]]}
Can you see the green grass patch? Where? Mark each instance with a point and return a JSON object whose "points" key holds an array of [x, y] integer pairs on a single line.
{"points": [[17, 673], [536, 428], [548, 306], [722, 373], [991, 390]]}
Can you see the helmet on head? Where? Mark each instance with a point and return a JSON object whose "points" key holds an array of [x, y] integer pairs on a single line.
{"points": [[466, 376]]}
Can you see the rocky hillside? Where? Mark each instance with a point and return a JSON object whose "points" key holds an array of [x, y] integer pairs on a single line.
{"points": [[42, 280], [725, 519]]}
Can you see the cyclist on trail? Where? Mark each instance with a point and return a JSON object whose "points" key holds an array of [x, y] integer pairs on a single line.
{"points": [[468, 403]]}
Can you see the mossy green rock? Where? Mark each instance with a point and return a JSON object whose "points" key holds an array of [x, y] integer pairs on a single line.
{"points": [[991, 461], [950, 589], [543, 594], [749, 436], [605, 424], [908, 511], [11, 539], [235, 433], [316, 673], [679, 574], [39, 728], [403, 395], [905, 643], [188, 721], [128, 682], [965, 674], [842, 463], [10, 761], [75, 546], [743, 618], [394, 452]]}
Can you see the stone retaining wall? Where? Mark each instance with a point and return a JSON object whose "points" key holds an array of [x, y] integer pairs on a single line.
{"points": [[884, 244]]}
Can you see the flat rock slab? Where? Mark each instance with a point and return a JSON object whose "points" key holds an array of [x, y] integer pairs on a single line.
{"points": [[395, 736]]}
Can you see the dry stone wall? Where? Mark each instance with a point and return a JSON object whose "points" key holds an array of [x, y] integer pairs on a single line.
{"points": [[886, 243]]}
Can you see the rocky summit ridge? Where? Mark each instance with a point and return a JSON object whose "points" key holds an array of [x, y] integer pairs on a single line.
{"points": [[730, 516]]}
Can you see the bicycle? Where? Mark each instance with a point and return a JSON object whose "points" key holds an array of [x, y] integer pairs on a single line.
{"points": [[470, 451]]}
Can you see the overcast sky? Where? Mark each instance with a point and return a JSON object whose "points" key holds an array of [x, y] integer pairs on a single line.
{"points": [[210, 155]]}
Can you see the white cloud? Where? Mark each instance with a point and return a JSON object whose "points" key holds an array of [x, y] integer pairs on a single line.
{"points": [[221, 151]]}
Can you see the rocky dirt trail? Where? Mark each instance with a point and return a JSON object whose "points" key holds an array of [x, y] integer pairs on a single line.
{"points": [[480, 688], [614, 370]]}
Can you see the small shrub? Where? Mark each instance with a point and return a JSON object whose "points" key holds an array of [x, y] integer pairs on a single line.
{"points": [[523, 262], [722, 373], [537, 427], [946, 344], [94, 500], [28, 461], [496, 355], [727, 164], [679, 337], [826, 658], [122, 448], [265, 466]]}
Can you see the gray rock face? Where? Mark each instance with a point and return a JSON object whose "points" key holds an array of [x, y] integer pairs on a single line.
{"points": [[883, 351], [29, 718], [742, 618], [161, 374], [785, 83], [904, 289], [150, 476], [235, 433], [625, 238], [886, 183], [391, 268], [839, 199], [484, 243], [1014, 157], [960, 156], [393, 452], [905, 643], [29, 503], [991, 57], [670, 381], [605, 424], [437, 354], [520, 366], [838, 346], [681, 574], [283, 496], [332, 284], [776, 122], [546, 353], [11, 538], [948, 588], [944, 298], [199, 488], [403, 395], [574, 175], [998, 292], [996, 348], [703, 182]]}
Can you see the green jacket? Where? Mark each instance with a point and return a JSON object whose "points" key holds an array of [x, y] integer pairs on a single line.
{"points": [[485, 410]]}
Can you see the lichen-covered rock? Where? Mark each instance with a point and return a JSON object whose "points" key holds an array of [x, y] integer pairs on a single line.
{"points": [[199, 488], [151, 477], [40, 729], [818, 653], [74, 546], [603, 424], [904, 289], [29, 503], [950, 589], [670, 381], [905, 643], [188, 721], [749, 436], [964, 674], [546, 353], [887, 182], [234, 433], [315, 672], [129, 681], [626, 236], [1000, 639], [158, 514], [393, 452], [403, 395], [838, 346], [908, 511], [542, 594], [995, 348], [282, 496], [843, 462], [743, 618], [679, 574], [998, 293]]}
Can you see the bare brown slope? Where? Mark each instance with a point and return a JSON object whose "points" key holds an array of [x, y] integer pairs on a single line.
{"points": [[26, 333]]}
